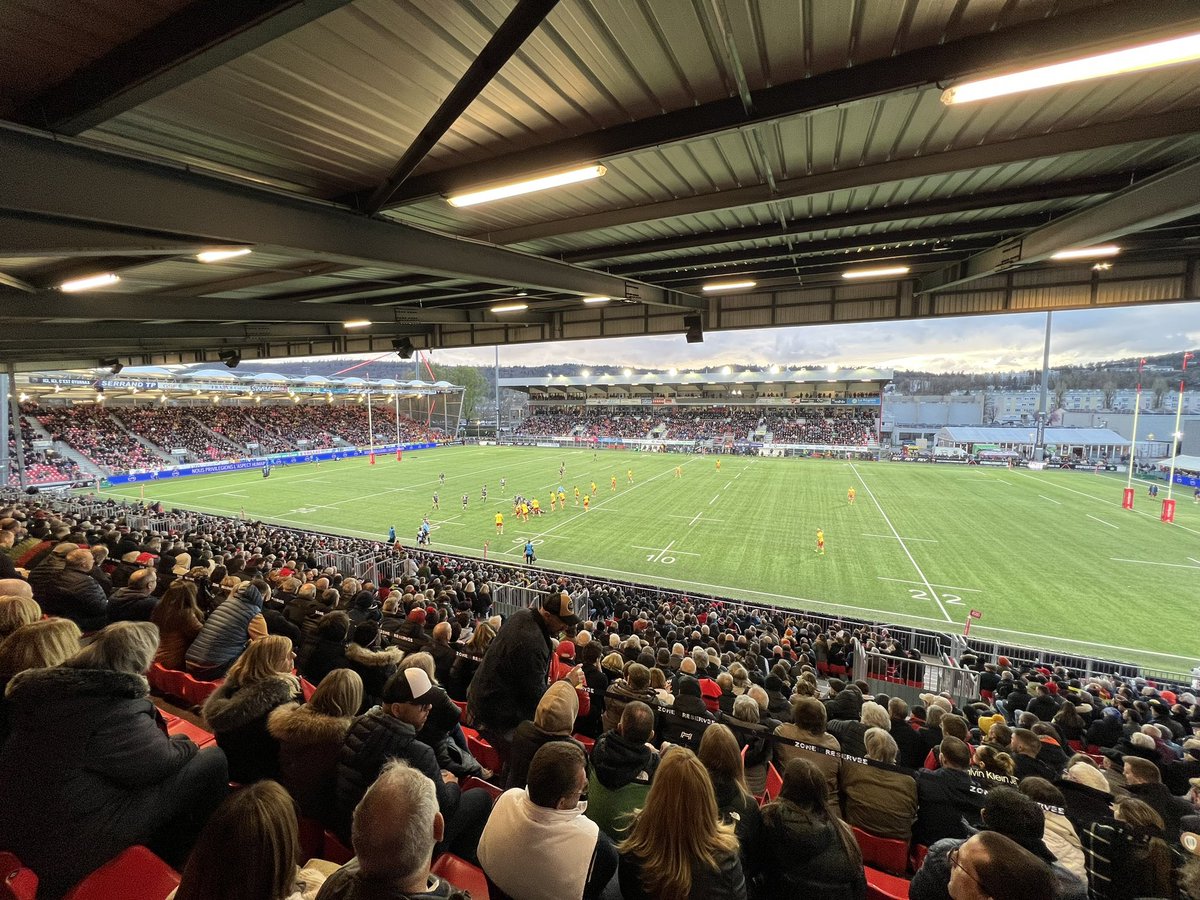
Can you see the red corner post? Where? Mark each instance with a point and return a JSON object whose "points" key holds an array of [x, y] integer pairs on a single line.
{"points": [[1127, 500], [1168, 511]]}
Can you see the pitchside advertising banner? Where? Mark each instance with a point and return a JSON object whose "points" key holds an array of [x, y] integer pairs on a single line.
{"points": [[758, 401], [221, 387], [278, 459]]}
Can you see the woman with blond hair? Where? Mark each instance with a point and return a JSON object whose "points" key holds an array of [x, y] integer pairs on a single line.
{"points": [[259, 681], [310, 738], [38, 645], [722, 757], [991, 759], [15, 612], [809, 851], [249, 851], [678, 848]]}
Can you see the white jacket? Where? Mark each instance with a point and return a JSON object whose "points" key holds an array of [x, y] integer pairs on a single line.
{"points": [[535, 853], [1061, 840]]}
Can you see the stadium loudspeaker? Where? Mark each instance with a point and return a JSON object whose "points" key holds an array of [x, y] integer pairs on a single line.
{"points": [[231, 358], [403, 347], [695, 329]]}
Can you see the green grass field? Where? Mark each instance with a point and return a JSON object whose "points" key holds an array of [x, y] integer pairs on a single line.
{"points": [[1049, 558]]}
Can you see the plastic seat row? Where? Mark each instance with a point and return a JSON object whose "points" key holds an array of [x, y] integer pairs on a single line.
{"points": [[180, 685], [135, 874], [177, 725]]}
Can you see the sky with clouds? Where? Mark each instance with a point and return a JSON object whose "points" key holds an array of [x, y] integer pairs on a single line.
{"points": [[972, 344]]}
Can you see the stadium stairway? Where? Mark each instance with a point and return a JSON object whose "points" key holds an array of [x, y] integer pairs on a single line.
{"points": [[219, 440], [158, 451], [63, 448]]}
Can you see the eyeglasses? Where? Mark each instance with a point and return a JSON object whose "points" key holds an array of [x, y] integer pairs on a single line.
{"points": [[952, 857]]}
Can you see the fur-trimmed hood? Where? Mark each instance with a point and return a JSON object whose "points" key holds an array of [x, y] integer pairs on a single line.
{"points": [[40, 686], [231, 706], [363, 656], [296, 724]]}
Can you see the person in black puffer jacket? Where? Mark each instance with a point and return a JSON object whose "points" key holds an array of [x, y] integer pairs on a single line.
{"points": [[258, 683], [685, 721], [228, 631], [72, 593], [328, 651], [809, 852], [375, 666]]}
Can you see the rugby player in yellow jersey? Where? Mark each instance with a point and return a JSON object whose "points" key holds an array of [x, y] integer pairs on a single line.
{"points": [[576, 495], [679, 471], [535, 507], [850, 496], [553, 497], [499, 523], [820, 542], [562, 499], [629, 476], [718, 465], [587, 501], [524, 511], [593, 487], [614, 482]]}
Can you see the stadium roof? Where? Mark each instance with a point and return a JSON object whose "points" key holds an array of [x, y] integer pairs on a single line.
{"points": [[778, 143], [875, 378], [984, 434]]}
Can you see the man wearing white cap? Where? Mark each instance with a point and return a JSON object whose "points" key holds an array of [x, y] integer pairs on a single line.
{"points": [[389, 731]]}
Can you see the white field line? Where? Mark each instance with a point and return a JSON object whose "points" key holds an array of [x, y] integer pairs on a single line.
{"points": [[1147, 562], [662, 551], [698, 515], [1002, 481], [945, 587], [903, 546], [1051, 499], [713, 500], [1103, 500], [1193, 559], [891, 537], [726, 486], [1101, 521]]}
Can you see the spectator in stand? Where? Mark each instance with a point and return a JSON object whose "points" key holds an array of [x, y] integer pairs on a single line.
{"points": [[946, 800], [736, 805], [259, 682], [850, 735], [1026, 747], [38, 645], [809, 850], [1127, 856], [1144, 780], [542, 828], [1060, 836], [390, 730], [310, 738], [878, 799], [635, 686], [808, 727], [179, 620], [993, 866], [552, 722], [89, 771], [911, 749], [443, 654], [396, 827], [374, 666], [513, 674], [228, 631], [73, 594], [591, 723], [248, 851], [15, 612], [661, 860], [623, 765], [136, 601], [327, 650]]}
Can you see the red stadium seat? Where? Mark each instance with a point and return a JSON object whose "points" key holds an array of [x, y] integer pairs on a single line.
{"points": [[987, 697], [335, 850], [588, 743], [774, 783], [176, 725], [136, 874], [461, 874], [1076, 746], [887, 854], [195, 691], [916, 859], [487, 755], [16, 881], [882, 886], [474, 782], [462, 706]]}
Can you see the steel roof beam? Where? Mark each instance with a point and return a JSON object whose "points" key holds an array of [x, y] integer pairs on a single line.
{"points": [[1054, 190], [64, 179], [1166, 197], [801, 248], [1125, 20], [140, 307], [1176, 123], [521, 22], [190, 42], [31, 236]]}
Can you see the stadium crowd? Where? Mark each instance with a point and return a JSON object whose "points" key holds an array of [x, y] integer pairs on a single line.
{"points": [[91, 430], [740, 724], [41, 466], [174, 428], [848, 426]]}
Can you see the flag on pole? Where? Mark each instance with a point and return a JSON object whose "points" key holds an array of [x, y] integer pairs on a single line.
{"points": [[1186, 357]]}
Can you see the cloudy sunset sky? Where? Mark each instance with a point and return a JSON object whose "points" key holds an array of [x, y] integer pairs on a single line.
{"points": [[980, 343]]}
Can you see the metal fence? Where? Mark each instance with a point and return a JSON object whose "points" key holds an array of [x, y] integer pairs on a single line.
{"points": [[899, 676]]}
